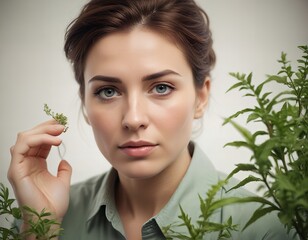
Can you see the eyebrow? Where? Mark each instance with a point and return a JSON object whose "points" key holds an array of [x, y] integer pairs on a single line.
{"points": [[149, 77]]}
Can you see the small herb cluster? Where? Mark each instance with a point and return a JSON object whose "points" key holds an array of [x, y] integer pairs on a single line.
{"points": [[280, 147], [40, 224], [59, 117]]}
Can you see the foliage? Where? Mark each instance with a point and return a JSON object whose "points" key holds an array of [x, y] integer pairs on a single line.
{"points": [[41, 225], [59, 117], [204, 225], [279, 160]]}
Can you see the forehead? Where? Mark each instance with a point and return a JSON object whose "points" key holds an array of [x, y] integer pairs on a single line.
{"points": [[133, 50]]}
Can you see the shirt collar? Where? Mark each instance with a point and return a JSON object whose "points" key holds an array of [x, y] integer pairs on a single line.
{"points": [[104, 196]]}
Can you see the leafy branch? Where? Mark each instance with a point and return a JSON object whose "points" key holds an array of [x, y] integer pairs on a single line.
{"points": [[204, 225], [40, 225], [280, 162]]}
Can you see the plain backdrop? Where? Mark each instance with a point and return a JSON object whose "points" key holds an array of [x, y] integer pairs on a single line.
{"points": [[249, 36]]}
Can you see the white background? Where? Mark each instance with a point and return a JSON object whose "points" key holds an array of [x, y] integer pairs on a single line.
{"points": [[249, 35]]}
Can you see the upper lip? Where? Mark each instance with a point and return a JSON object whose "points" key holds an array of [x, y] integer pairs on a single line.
{"points": [[140, 143]]}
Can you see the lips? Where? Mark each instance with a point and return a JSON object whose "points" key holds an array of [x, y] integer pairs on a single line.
{"points": [[137, 148]]}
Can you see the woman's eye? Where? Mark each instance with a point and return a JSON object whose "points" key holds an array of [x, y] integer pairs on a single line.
{"points": [[162, 89], [107, 93]]}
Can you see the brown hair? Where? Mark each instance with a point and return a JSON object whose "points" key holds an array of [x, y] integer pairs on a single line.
{"points": [[181, 20]]}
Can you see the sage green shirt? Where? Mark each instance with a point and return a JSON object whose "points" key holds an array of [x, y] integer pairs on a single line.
{"points": [[92, 213]]}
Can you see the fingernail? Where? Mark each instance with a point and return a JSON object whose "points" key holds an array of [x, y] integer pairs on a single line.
{"points": [[59, 127]]}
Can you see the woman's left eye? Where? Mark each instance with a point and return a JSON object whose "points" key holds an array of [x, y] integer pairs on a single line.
{"points": [[162, 89]]}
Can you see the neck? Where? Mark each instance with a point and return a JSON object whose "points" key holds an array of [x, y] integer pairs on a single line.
{"points": [[146, 197]]}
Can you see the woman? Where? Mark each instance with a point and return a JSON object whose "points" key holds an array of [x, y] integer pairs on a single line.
{"points": [[143, 68]]}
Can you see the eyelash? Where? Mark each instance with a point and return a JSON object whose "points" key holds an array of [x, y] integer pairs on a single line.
{"points": [[97, 93]]}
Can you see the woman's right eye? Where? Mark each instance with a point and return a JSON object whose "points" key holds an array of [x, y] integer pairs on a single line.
{"points": [[106, 93]]}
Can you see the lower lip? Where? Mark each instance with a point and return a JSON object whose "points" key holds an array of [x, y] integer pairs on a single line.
{"points": [[138, 151]]}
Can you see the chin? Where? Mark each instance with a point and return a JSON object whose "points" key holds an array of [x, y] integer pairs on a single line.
{"points": [[141, 171]]}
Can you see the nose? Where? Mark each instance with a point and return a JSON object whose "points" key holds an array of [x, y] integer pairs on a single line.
{"points": [[135, 114]]}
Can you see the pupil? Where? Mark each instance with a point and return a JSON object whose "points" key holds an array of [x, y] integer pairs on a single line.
{"points": [[109, 92], [161, 88]]}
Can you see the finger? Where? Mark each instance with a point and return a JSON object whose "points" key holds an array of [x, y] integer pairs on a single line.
{"points": [[65, 172], [23, 137], [33, 143], [41, 152], [50, 127]]}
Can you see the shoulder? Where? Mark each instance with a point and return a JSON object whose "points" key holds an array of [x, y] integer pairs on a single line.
{"points": [[86, 189], [83, 196]]}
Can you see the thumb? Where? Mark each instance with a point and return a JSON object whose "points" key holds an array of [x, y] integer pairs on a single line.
{"points": [[65, 172]]}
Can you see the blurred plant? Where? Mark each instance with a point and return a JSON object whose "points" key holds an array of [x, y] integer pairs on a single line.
{"points": [[279, 160], [204, 225], [39, 225]]}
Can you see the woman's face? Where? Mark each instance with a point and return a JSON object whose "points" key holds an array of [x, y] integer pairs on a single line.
{"points": [[141, 101]]}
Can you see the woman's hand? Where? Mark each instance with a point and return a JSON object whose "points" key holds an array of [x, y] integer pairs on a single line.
{"points": [[33, 184]]}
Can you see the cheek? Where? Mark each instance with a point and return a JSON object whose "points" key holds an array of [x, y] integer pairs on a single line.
{"points": [[176, 118], [103, 123]]}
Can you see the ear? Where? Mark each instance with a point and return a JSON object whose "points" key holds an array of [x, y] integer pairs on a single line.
{"points": [[202, 98]]}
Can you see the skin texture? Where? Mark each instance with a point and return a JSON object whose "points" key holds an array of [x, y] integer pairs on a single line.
{"points": [[139, 87]]}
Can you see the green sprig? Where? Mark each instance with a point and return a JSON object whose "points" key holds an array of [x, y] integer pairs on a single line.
{"points": [[59, 117], [203, 226]]}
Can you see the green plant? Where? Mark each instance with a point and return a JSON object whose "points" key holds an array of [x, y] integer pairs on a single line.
{"points": [[59, 117], [204, 225], [41, 225], [279, 160]]}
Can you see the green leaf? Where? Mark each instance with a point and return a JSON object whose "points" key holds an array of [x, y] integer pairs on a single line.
{"points": [[238, 144], [16, 213], [246, 110], [265, 95], [278, 79], [225, 202], [235, 86], [249, 95], [247, 180], [243, 131], [260, 212], [242, 167], [259, 133], [253, 116], [285, 183], [258, 200], [259, 89], [249, 78]]}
